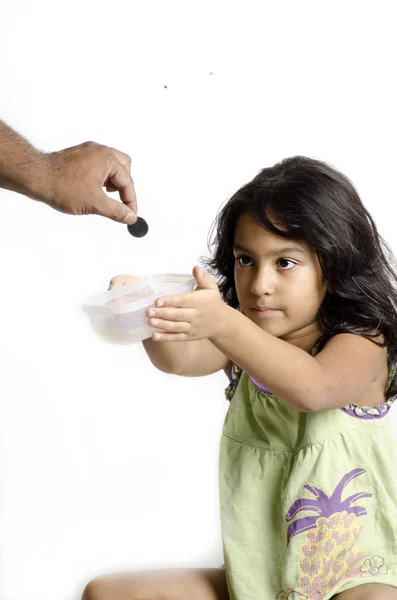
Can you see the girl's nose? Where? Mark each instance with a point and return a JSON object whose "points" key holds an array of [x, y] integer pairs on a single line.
{"points": [[264, 283]]}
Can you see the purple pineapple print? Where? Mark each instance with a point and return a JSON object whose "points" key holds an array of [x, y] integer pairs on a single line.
{"points": [[323, 505]]}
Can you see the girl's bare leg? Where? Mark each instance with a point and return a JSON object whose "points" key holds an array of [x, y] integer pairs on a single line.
{"points": [[369, 591], [184, 584]]}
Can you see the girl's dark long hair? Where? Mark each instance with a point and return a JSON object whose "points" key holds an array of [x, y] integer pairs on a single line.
{"points": [[318, 205]]}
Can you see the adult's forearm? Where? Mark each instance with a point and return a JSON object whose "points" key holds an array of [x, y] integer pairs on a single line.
{"points": [[23, 169]]}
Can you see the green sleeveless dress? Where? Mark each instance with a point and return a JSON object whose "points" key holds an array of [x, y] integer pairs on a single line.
{"points": [[308, 500]]}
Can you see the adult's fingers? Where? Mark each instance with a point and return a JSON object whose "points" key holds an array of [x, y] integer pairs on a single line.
{"points": [[120, 178], [123, 158], [115, 210]]}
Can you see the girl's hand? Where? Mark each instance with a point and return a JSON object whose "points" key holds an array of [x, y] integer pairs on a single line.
{"points": [[120, 280], [194, 316]]}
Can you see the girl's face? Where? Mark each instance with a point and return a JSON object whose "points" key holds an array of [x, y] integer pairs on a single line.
{"points": [[279, 283]]}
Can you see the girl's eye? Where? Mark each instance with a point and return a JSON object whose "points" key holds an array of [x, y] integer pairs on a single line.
{"points": [[244, 261], [286, 267]]}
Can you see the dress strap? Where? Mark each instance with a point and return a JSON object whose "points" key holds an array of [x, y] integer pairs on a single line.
{"points": [[235, 374]]}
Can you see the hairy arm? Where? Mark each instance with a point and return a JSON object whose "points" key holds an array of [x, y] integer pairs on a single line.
{"points": [[71, 180], [22, 168]]}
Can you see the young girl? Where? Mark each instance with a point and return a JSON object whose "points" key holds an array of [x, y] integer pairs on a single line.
{"points": [[304, 321]]}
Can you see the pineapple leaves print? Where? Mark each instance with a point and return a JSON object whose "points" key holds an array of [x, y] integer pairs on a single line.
{"points": [[323, 505]]}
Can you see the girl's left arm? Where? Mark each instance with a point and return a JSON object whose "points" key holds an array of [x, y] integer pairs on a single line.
{"points": [[338, 375]]}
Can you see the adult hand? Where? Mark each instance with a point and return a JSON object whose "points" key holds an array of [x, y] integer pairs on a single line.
{"points": [[71, 180], [77, 176]]}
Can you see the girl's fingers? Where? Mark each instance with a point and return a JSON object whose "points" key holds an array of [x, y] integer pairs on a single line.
{"points": [[171, 314], [169, 337], [172, 326], [120, 280], [174, 301]]}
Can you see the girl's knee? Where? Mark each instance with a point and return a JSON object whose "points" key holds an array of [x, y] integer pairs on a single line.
{"points": [[371, 591], [105, 588], [90, 591], [195, 584], [95, 589]]}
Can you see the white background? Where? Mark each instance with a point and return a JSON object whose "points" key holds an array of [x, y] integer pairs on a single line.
{"points": [[106, 463]]}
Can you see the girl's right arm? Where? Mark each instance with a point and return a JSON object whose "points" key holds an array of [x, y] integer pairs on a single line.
{"points": [[188, 359]]}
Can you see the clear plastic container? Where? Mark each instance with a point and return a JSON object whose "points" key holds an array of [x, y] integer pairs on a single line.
{"points": [[119, 315]]}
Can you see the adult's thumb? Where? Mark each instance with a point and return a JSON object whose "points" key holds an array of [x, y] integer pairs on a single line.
{"points": [[116, 210]]}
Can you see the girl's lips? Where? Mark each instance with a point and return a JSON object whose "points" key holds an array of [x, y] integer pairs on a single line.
{"points": [[265, 312]]}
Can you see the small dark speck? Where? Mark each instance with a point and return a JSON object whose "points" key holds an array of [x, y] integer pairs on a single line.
{"points": [[165, 87], [210, 73]]}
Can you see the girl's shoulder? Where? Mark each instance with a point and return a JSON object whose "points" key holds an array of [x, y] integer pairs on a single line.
{"points": [[347, 346], [362, 368]]}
